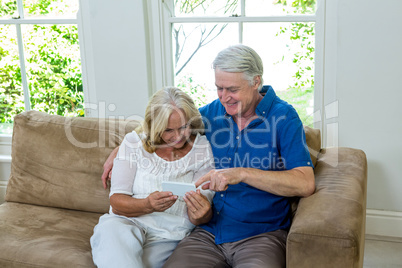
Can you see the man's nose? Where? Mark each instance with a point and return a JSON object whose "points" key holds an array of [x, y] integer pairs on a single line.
{"points": [[225, 95]]}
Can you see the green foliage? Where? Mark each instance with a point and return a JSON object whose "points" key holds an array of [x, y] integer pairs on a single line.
{"points": [[55, 74], [52, 64], [301, 100], [195, 90], [303, 34], [298, 6], [38, 8], [301, 90], [8, 8], [11, 97]]}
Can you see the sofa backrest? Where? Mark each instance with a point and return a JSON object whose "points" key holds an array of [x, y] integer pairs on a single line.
{"points": [[313, 139], [58, 161]]}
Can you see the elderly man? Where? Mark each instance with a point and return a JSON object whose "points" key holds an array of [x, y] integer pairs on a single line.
{"points": [[261, 159]]}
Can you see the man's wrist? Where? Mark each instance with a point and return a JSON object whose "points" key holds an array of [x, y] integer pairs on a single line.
{"points": [[243, 175]]}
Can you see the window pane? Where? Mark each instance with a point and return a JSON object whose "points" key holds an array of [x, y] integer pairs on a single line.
{"points": [[279, 7], [11, 94], [193, 58], [226, 8], [54, 69], [50, 8], [8, 9], [287, 52]]}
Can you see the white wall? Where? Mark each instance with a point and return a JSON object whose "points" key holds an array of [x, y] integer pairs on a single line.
{"points": [[115, 54], [369, 92]]}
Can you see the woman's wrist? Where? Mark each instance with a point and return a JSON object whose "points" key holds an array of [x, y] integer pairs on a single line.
{"points": [[148, 206]]}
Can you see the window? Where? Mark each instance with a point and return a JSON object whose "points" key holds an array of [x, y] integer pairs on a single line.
{"points": [[40, 65], [286, 34]]}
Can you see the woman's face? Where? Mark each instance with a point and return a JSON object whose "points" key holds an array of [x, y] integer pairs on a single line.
{"points": [[177, 131]]}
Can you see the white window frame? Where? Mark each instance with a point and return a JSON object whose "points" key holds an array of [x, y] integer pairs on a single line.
{"points": [[18, 22], [161, 45]]}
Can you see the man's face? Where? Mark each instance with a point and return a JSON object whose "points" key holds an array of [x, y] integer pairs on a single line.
{"points": [[235, 92]]}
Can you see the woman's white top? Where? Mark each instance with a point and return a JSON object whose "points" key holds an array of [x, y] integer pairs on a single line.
{"points": [[139, 173]]}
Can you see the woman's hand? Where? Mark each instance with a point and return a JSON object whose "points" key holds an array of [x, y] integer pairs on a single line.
{"points": [[107, 167], [199, 209], [161, 201], [125, 205]]}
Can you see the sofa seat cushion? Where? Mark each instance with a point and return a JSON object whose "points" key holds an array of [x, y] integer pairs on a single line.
{"points": [[36, 236]]}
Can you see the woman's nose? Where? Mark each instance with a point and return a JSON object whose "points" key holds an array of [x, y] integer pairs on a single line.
{"points": [[177, 134]]}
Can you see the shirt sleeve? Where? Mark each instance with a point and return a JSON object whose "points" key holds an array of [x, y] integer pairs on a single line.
{"points": [[292, 143], [125, 166]]}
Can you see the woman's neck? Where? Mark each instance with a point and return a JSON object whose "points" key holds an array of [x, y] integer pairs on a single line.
{"points": [[170, 153]]}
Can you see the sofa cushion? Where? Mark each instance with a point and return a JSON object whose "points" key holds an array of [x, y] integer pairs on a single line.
{"points": [[329, 225], [58, 161], [35, 236], [313, 139]]}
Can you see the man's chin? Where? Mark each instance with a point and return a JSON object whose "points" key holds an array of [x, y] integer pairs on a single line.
{"points": [[231, 110]]}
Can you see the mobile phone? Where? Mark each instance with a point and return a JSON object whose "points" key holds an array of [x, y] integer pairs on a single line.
{"points": [[178, 188]]}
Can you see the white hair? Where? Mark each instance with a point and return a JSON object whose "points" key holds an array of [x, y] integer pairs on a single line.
{"points": [[240, 59]]}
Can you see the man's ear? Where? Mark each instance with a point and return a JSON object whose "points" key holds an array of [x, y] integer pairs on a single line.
{"points": [[257, 81]]}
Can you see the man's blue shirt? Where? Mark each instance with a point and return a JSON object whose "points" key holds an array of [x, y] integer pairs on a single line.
{"points": [[274, 141]]}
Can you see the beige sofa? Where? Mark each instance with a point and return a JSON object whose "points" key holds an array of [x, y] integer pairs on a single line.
{"points": [[55, 196]]}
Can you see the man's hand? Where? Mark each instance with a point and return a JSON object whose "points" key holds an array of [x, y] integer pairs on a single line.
{"points": [[198, 207], [298, 181], [219, 179], [107, 167]]}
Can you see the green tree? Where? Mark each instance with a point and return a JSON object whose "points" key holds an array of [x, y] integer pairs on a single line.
{"points": [[195, 90], [205, 33], [52, 63], [301, 90], [303, 33]]}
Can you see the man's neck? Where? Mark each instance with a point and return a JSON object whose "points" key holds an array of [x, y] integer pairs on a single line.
{"points": [[242, 120]]}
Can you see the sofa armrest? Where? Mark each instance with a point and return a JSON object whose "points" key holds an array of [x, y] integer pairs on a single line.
{"points": [[328, 229]]}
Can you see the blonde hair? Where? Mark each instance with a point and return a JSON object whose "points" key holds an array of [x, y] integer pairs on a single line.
{"points": [[160, 107]]}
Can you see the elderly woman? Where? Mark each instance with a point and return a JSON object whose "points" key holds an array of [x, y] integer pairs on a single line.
{"points": [[145, 224]]}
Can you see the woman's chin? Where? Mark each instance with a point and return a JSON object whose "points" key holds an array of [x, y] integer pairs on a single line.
{"points": [[178, 144]]}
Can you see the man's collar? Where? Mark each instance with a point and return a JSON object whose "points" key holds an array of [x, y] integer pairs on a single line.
{"points": [[266, 103]]}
